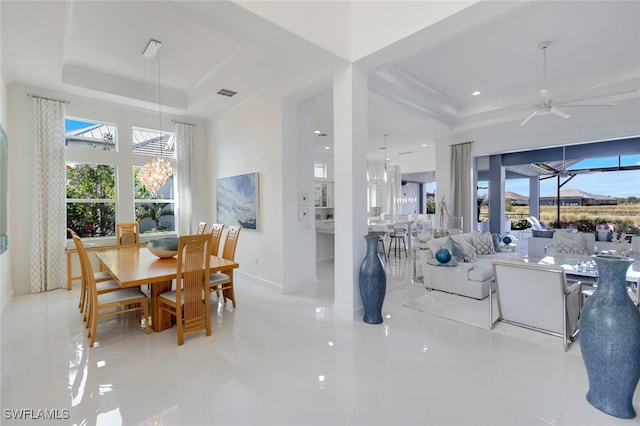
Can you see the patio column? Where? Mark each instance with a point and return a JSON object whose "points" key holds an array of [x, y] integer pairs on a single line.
{"points": [[496, 194], [534, 197]]}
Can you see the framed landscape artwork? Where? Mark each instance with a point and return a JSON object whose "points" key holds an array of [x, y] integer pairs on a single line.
{"points": [[237, 201]]}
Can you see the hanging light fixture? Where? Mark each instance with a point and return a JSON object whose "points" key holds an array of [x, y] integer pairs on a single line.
{"points": [[155, 173], [385, 175]]}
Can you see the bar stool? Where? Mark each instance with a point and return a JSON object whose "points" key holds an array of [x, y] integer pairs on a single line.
{"points": [[380, 235], [396, 235]]}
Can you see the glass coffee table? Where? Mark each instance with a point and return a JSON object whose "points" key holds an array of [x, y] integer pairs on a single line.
{"points": [[583, 268]]}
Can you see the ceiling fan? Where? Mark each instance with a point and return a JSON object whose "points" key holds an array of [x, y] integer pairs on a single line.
{"points": [[546, 105]]}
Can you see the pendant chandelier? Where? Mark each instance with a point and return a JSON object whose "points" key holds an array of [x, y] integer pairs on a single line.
{"points": [[155, 173], [385, 175]]}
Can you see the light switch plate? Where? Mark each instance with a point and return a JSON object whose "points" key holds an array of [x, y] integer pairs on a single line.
{"points": [[303, 214]]}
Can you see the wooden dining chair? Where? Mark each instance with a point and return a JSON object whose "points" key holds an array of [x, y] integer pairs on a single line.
{"points": [[104, 280], [127, 234], [189, 302], [110, 303], [201, 228], [216, 233], [223, 281]]}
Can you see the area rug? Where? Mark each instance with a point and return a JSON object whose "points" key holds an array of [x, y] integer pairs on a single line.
{"points": [[457, 308], [476, 313]]}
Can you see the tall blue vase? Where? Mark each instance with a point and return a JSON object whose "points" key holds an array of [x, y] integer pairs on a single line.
{"points": [[610, 340], [373, 282]]}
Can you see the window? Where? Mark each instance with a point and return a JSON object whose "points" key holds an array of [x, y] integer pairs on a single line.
{"points": [[91, 193], [100, 172], [90, 135], [153, 142], [154, 214], [320, 170]]}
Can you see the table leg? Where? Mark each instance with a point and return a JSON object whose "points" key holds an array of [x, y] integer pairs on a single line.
{"points": [[156, 290]]}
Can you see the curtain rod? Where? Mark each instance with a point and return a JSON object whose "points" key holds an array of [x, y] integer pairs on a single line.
{"points": [[461, 143], [47, 99], [181, 122]]}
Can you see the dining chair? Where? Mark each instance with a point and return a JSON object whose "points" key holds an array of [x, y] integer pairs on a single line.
{"points": [[104, 280], [109, 303], [216, 233], [127, 234], [201, 227], [221, 281], [189, 302]]}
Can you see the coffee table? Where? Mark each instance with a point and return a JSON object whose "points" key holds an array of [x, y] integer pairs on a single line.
{"points": [[583, 268]]}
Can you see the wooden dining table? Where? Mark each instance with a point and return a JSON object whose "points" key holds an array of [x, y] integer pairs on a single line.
{"points": [[133, 267]]}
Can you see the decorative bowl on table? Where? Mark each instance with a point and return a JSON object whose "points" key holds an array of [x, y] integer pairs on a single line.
{"points": [[163, 247]]}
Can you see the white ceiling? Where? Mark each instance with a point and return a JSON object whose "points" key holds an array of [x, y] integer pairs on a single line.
{"points": [[420, 87]]}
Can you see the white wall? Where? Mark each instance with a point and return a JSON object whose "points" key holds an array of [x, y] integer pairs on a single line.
{"points": [[5, 264], [20, 153], [245, 141]]}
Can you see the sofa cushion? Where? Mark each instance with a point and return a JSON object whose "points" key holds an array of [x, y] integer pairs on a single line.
{"points": [[481, 272], [461, 249], [483, 243]]}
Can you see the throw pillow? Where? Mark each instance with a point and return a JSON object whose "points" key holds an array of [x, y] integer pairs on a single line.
{"points": [[483, 243], [496, 241], [462, 250], [571, 243]]}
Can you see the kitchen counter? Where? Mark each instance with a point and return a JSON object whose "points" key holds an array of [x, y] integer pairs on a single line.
{"points": [[325, 226]]}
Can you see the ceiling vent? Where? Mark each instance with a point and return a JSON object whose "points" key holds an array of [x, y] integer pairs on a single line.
{"points": [[227, 92], [405, 153]]}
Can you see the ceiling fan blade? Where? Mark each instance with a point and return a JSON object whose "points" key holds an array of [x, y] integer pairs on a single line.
{"points": [[580, 92], [588, 105], [589, 98], [559, 113], [529, 118]]}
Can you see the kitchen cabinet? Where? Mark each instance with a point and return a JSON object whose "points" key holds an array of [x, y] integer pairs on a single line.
{"points": [[324, 194]]}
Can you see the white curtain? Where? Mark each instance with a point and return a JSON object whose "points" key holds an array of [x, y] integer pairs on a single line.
{"points": [[461, 183], [186, 177], [48, 215]]}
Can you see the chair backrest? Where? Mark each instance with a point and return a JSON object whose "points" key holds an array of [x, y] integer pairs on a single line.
{"points": [[230, 243], [582, 243], [216, 233], [88, 278], [201, 227], [531, 294], [71, 232], [192, 275], [127, 234]]}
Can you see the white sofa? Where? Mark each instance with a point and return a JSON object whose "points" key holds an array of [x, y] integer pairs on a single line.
{"points": [[471, 279]]}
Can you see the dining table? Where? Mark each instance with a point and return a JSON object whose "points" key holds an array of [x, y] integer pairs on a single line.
{"points": [[136, 266]]}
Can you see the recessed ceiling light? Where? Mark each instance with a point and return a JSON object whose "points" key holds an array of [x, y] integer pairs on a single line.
{"points": [[476, 93], [424, 144], [326, 147], [317, 132]]}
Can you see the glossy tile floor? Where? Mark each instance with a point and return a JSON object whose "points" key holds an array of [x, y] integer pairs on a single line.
{"points": [[287, 360]]}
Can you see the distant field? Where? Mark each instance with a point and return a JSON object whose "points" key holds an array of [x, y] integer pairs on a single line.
{"points": [[611, 214]]}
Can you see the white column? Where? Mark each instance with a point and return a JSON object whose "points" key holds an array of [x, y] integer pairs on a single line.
{"points": [[299, 269], [350, 165]]}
